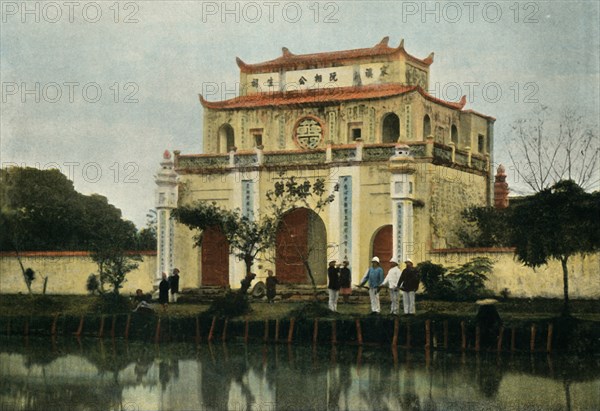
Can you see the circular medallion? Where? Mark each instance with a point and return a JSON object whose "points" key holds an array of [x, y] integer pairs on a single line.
{"points": [[308, 133]]}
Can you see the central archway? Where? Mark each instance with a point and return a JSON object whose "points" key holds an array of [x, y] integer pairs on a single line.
{"points": [[301, 237]]}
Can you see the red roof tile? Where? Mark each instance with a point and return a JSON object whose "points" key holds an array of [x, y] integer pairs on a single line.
{"points": [[324, 96], [290, 60], [309, 97]]}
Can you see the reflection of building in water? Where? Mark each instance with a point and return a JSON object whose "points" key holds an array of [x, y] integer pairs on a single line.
{"points": [[407, 163], [239, 378]]}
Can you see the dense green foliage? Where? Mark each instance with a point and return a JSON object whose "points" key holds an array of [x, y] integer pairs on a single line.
{"points": [[40, 210], [556, 223], [463, 283]]}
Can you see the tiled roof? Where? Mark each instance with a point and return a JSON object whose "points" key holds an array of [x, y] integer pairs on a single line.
{"points": [[309, 97], [290, 60], [326, 96]]}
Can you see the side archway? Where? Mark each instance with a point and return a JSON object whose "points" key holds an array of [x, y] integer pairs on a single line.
{"points": [[301, 237], [383, 246], [215, 258]]}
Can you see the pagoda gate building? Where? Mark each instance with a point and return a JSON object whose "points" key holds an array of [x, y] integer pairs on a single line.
{"points": [[407, 163]]}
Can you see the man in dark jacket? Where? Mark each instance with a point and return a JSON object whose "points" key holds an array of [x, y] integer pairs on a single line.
{"points": [[409, 283], [174, 285], [163, 291], [333, 275]]}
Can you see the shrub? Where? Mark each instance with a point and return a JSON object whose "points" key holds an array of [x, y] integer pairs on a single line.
{"points": [[92, 284], [232, 304], [112, 303], [463, 283]]}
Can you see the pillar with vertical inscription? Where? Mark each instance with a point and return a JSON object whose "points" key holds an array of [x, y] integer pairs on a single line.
{"points": [[166, 202], [402, 189]]}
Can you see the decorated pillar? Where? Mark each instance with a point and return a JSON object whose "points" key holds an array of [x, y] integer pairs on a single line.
{"points": [[166, 202], [402, 189]]}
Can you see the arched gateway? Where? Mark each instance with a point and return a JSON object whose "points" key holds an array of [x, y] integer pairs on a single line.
{"points": [[215, 258], [301, 236], [383, 246]]}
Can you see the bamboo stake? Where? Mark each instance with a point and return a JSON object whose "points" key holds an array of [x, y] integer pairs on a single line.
{"points": [[266, 337], [101, 330], [80, 328], [500, 337], [212, 329], [277, 330], [315, 330], [333, 332], [246, 331], [477, 338], [408, 336], [224, 334], [513, 338], [532, 339], [396, 328], [53, 328], [359, 335], [157, 333], [463, 341], [127, 325], [26, 330], [291, 331], [427, 334], [549, 338]]}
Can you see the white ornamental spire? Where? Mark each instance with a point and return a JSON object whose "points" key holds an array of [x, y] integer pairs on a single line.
{"points": [[165, 201]]}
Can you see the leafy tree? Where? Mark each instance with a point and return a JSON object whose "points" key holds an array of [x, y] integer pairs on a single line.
{"points": [[556, 223], [40, 210]]}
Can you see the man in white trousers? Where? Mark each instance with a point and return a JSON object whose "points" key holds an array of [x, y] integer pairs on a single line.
{"points": [[374, 276], [409, 283], [391, 281], [333, 286]]}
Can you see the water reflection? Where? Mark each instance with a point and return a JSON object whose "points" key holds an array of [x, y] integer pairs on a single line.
{"points": [[106, 375]]}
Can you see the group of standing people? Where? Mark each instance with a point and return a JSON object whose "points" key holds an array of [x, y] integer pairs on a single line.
{"points": [[170, 283], [339, 282], [406, 281]]}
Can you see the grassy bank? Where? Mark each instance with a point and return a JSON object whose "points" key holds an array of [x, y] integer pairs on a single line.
{"points": [[512, 310]]}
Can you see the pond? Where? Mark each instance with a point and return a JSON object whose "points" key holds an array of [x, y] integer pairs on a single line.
{"points": [[67, 374]]}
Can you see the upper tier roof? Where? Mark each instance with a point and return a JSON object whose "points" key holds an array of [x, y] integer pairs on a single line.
{"points": [[290, 60]]}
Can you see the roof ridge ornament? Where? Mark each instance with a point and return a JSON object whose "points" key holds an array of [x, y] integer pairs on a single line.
{"points": [[429, 58], [383, 43], [286, 52]]}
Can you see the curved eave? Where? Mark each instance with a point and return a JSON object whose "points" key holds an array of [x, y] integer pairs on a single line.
{"points": [[291, 60]]}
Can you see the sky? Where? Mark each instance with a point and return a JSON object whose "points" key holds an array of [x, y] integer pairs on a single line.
{"points": [[101, 89]]}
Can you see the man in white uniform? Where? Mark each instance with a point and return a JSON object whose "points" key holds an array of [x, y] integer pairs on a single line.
{"points": [[391, 281]]}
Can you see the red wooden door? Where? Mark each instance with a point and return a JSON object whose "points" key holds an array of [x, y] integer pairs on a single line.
{"points": [[215, 258], [292, 238], [383, 245]]}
